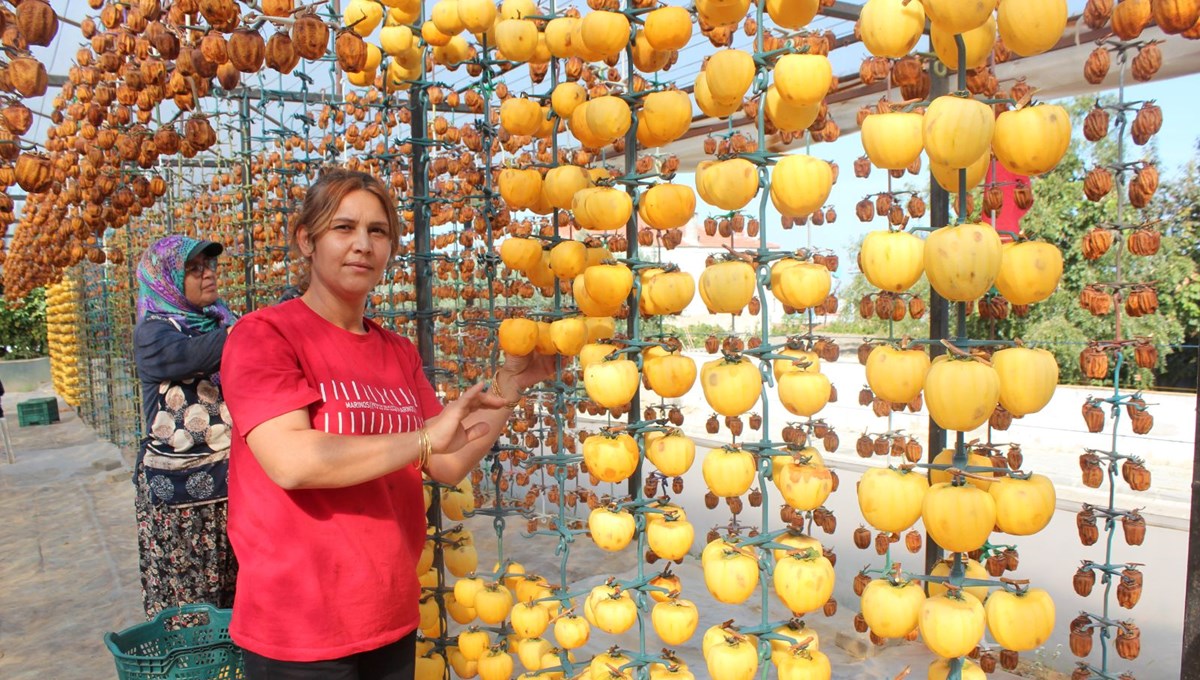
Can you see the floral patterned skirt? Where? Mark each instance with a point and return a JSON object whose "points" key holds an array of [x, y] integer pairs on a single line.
{"points": [[185, 556]]}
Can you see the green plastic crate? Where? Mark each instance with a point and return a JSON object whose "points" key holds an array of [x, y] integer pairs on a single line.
{"points": [[163, 649], [41, 411]]}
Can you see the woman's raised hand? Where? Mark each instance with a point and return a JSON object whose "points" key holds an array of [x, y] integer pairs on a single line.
{"points": [[524, 372], [447, 433]]}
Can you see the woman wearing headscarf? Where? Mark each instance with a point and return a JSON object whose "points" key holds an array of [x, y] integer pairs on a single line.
{"points": [[182, 470]]}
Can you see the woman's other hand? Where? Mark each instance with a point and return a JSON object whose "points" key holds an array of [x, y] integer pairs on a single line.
{"points": [[447, 433], [520, 373]]}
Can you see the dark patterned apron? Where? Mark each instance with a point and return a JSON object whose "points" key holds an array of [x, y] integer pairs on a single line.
{"points": [[186, 455]]}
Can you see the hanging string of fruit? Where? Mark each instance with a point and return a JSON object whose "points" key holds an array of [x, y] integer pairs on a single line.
{"points": [[1134, 183], [964, 263]]}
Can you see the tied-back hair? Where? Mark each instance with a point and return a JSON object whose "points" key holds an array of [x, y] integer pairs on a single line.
{"points": [[321, 202]]}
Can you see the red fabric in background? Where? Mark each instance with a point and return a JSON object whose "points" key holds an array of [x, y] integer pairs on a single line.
{"points": [[1008, 220]]}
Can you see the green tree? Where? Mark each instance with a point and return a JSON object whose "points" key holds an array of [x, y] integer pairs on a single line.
{"points": [[1177, 204], [1062, 215], [23, 326]]}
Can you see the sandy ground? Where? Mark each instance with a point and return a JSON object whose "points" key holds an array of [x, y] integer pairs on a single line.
{"points": [[68, 561]]}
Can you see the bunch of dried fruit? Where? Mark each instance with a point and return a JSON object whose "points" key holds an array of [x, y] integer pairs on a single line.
{"points": [[1147, 62], [1093, 415], [1096, 300], [1129, 587], [1146, 123], [1141, 300], [1136, 475], [1096, 185], [994, 307], [1084, 579], [1095, 125], [1085, 522], [1089, 464], [1095, 69], [1145, 354], [1093, 362]]}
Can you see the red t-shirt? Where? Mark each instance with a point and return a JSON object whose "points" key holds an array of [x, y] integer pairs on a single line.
{"points": [[323, 573]]}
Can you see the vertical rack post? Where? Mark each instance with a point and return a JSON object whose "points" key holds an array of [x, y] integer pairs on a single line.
{"points": [[247, 207], [1190, 659], [939, 309], [763, 276], [422, 241], [631, 229]]}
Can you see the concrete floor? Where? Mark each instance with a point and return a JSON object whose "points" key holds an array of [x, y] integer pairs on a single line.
{"points": [[68, 550]]}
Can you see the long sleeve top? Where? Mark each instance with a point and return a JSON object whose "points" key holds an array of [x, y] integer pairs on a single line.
{"points": [[164, 352]]}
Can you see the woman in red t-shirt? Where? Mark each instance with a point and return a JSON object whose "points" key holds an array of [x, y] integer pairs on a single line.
{"points": [[333, 420]]}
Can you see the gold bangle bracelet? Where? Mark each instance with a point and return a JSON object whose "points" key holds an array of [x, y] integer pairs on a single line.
{"points": [[510, 403], [426, 449]]}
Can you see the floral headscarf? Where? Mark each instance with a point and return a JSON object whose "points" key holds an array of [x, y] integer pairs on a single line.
{"points": [[160, 288]]}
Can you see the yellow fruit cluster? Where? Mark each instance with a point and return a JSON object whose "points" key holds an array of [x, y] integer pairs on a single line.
{"points": [[961, 263], [62, 319]]}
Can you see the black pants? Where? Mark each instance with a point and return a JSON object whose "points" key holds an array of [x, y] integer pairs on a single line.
{"points": [[396, 661]]}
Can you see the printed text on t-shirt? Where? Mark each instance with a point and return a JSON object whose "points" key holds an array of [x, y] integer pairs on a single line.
{"points": [[355, 408]]}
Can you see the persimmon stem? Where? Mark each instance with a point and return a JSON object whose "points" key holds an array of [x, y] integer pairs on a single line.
{"points": [[741, 256], [801, 645], [1024, 101], [1019, 586], [955, 472], [954, 349]]}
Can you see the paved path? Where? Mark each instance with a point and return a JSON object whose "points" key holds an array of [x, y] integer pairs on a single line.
{"points": [[68, 550]]}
